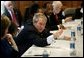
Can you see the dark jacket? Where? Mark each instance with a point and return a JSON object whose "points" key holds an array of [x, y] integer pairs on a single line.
{"points": [[30, 11], [6, 50], [52, 23], [29, 36], [78, 14]]}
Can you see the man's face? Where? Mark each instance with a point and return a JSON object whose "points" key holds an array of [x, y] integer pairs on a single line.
{"points": [[9, 5], [57, 9], [40, 25], [40, 11]]}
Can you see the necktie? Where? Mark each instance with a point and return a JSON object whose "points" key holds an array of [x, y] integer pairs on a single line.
{"points": [[56, 18], [14, 18]]}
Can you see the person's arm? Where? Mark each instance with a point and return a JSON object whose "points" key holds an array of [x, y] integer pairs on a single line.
{"points": [[67, 19], [38, 41], [59, 35], [50, 39], [12, 42], [44, 41]]}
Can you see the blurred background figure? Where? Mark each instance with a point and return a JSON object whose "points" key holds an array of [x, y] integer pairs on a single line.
{"points": [[29, 12], [12, 13], [6, 48], [73, 13], [56, 15], [40, 10], [48, 11], [13, 30], [79, 12], [48, 8]]}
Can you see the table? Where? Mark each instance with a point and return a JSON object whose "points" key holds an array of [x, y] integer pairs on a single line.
{"points": [[59, 48]]}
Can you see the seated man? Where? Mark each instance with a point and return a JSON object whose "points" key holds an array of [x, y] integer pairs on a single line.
{"points": [[35, 33], [56, 16]]}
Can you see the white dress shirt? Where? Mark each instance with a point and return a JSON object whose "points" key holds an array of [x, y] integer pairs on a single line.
{"points": [[10, 14], [50, 39]]}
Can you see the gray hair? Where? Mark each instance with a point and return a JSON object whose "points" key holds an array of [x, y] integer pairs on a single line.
{"points": [[56, 3], [37, 16], [7, 2]]}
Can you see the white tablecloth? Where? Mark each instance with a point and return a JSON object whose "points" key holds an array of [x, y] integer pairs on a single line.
{"points": [[59, 48]]}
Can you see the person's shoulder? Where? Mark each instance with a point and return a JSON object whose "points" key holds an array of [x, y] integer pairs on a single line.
{"points": [[29, 27], [2, 41], [77, 9], [5, 43]]}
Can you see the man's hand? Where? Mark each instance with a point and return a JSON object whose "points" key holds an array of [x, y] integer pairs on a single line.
{"points": [[61, 27], [58, 33], [68, 38], [68, 19], [9, 38], [11, 41]]}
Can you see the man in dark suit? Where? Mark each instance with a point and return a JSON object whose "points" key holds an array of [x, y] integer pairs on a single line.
{"points": [[35, 33], [52, 22], [13, 13]]}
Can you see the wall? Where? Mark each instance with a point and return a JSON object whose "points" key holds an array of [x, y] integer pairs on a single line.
{"points": [[24, 4]]}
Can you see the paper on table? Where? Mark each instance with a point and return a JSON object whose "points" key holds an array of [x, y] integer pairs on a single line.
{"points": [[36, 51], [65, 33], [53, 31]]}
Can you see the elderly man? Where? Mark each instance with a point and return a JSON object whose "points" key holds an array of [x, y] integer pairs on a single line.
{"points": [[12, 13], [35, 33], [56, 16]]}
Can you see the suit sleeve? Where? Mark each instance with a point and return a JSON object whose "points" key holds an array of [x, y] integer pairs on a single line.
{"points": [[38, 41]]}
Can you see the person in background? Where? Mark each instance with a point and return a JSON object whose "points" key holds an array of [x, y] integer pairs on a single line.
{"points": [[6, 49], [12, 13], [12, 34], [48, 11], [29, 12], [36, 33], [56, 16], [48, 8], [79, 12], [40, 10], [35, 6], [13, 30]]}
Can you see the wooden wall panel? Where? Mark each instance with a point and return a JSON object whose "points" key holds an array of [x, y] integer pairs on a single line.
{"points": [[66, 4], [22, 5]]}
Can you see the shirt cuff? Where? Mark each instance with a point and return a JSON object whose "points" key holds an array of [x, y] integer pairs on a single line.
{"points": [[50, 39]]}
